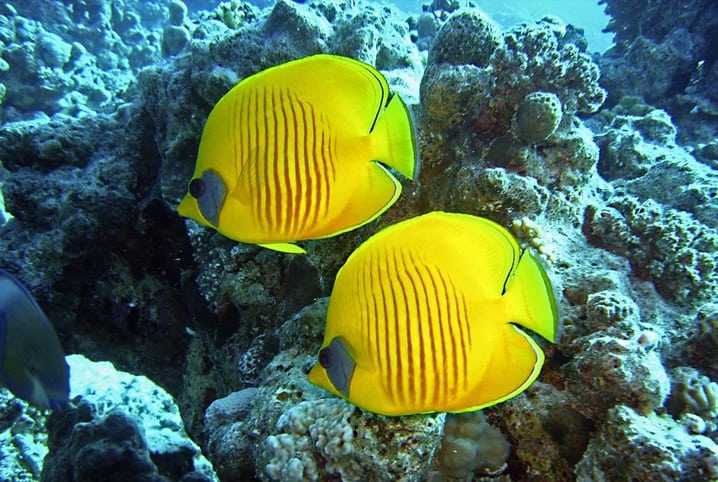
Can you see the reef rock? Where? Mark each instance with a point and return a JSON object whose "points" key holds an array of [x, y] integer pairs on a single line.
{"points": [[123, 424], [665, 52], [661, 213], [74, 57], [118, 424], [288, 430], [505, 100], [631, 446]]}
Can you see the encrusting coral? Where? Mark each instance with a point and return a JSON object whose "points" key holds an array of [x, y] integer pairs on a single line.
{"points": [[510, 101], [469, 445]]}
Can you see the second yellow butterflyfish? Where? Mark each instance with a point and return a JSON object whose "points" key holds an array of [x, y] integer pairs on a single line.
{"points": [[433, 314], [298, 151]]}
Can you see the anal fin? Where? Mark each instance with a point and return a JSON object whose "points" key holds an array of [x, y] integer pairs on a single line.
{"points": [[515, 364], [284, 248], [372, 195]]}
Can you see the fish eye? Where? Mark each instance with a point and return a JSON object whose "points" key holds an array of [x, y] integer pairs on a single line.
{"points": [[325, 357], [196, 187]]}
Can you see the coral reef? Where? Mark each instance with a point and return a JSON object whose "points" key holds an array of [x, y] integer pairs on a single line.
{"points": [[133, 401], [102, 107], [116, 415], [74, 57], [667, 246], [661, 214], [631, 446], [469, 38], [665, 53], [510, 101], [614, 370], [287, 429], [110, 447], [23, 439], [706, 322], [469, 444], [83, 225]]}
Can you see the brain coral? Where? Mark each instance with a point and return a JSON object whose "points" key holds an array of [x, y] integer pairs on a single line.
{"points": [[322, 425], [537, 117]]}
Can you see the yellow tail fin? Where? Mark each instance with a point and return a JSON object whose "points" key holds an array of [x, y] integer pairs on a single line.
{"points": [[402, 151], [533, 298]]}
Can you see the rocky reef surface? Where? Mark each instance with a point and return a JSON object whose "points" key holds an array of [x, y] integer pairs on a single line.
{"points": [[121, 427], [665, 52], [605, 167]]}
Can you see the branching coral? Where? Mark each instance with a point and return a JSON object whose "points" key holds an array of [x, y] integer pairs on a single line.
{"points": [[692, 392]]}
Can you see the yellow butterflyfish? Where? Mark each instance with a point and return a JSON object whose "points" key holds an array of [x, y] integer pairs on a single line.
{"points": [[297, 152], [432, 315]]}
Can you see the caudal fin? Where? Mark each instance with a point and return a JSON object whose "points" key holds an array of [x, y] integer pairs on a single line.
{"points": [[399, 150], [533, 299]]}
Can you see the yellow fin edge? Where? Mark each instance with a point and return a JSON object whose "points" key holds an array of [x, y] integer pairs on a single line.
{"points": [[540, 357], [379, 212], [290, 248]]}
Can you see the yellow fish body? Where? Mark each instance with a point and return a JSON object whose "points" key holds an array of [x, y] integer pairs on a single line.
{"points": [[428, 315], [291, 153]]}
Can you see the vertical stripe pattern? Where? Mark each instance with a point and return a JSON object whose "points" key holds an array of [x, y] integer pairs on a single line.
{"points": [[287, 158], [415, 327]]}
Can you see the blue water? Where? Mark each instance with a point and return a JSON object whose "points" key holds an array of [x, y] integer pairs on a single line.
{"points": [[585, 14]]}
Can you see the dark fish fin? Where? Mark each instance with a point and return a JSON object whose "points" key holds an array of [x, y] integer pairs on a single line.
{"points": [[21, 384], [27, 293], [3, 333], [60, 405]]}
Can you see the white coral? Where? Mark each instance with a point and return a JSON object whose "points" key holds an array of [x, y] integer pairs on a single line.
{"points": [[310, 432]]}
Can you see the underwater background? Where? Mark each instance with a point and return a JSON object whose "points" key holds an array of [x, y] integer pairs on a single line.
{"points": [[188, 352]]}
